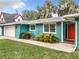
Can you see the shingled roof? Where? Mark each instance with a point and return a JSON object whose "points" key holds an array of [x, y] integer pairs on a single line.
{"points": [[9, 18]]}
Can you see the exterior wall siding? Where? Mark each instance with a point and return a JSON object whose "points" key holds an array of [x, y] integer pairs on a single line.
{"points": [[77, 19], [21, 28], [17, 31], [58, 30], [24, 28], [38, 30]]}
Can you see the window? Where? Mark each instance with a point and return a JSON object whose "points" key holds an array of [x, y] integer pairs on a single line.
{"points": [[52, 27], [49, 28], [32, 27], [46, 28], [18, 19]]}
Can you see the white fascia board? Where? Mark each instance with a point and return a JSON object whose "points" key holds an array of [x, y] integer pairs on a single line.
{"points": [[71, 15], [13, 23]]}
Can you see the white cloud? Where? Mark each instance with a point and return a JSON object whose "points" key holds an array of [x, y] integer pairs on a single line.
{"points": [[14, 3], [18, 5]]}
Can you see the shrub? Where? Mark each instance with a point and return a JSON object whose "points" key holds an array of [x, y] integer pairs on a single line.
{"points": [[46, 38], [52, 39], [25, 35], [39, 37]]}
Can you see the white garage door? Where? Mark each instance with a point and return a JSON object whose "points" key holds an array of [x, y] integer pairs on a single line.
{"points": [[0, 31], [9, 31]]}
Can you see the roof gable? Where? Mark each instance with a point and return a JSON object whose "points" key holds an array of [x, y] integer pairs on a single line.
{"points": [[9, 17], [19, 18]]}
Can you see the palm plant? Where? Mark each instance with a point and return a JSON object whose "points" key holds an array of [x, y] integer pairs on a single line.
{"points": [[46, 9], [48, 6], [41, 12]]}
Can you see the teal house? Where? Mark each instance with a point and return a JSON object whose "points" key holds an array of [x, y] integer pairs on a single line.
{"points": [[66, 28]]}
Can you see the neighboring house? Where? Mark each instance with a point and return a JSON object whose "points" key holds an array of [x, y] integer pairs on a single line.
{"points": [[9, 18], [66, 28]]}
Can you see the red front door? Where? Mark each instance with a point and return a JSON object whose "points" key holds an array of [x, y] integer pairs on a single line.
{"points": [[71, 32]]}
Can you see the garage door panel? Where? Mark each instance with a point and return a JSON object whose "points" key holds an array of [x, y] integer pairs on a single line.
{"points": [[9, 31]]}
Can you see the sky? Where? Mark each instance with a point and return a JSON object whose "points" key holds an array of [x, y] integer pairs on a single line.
{"points": [[10, 6]]}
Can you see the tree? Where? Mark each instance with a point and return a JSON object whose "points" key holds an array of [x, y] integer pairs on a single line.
{"points": [[41, 12], [49, 6], [29, 15], [46, 9], [67, 7]]}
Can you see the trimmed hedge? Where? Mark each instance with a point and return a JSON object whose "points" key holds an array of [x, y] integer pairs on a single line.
{"points": [[25, 35], [46, 38]]}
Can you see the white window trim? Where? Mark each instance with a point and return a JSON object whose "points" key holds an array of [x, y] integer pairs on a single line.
{"points": [[49, 28], [31, 29]]}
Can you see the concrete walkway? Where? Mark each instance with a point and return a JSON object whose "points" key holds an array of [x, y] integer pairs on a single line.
{"points": [[57, 46]]}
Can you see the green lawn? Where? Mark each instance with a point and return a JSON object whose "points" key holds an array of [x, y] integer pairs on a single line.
{"points": [[17, 50]]}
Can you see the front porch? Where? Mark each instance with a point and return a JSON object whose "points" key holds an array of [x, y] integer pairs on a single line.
{"points": [[56, 46], [69, 32]]}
